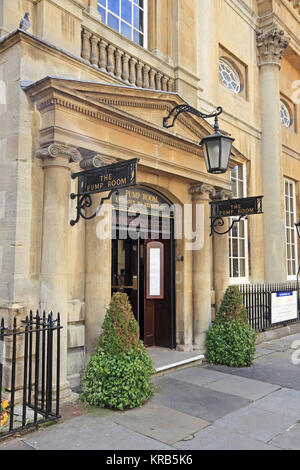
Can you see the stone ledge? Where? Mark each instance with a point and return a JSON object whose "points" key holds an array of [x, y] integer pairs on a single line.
{"points": [[277, 333]]}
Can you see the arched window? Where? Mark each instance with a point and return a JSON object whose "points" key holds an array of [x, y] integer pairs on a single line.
{"points": [[127, 17], [229, 76], [285, 115]]}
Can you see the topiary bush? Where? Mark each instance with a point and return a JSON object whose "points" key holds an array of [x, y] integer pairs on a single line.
{"points": [[119, 374], [231, 340]]}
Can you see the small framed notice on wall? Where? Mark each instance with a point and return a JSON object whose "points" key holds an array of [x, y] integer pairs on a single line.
{"points": [[155, 271], [283, 306]]}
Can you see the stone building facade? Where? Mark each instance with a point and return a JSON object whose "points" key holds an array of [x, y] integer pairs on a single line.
{"points": [[90, 81]]}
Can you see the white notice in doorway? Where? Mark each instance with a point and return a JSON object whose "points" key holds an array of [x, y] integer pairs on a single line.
{"points": [[154, 284]]}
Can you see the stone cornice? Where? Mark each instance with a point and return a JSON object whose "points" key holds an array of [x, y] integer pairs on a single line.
{"points": [[59, 150], [271, 44]]}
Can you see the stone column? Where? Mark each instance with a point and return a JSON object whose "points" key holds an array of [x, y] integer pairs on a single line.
{"points": [[98, 272], [221, 255], [271, 43], [54, 259], [202, 267]]}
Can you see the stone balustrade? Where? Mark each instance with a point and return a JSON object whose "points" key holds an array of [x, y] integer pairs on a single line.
{"points": [[121, 64]]}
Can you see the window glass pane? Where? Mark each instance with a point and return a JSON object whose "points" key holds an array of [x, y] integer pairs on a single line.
{"points": [[235, 268], [242, 248], [125, 16], [235, 248], [241, 189], [238, 240], [126, 30], [102, 13], [138, 37], [138, 18], [242, 267], [113, 22], [114, 6], [126, 10]]}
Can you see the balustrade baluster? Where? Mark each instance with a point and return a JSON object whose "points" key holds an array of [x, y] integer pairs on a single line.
{"points": [[94, 59], [110, 59], [132, 71], [125, 72], [85, 50], [103, 55], [146, 70], [118, 63], [139, 76]]}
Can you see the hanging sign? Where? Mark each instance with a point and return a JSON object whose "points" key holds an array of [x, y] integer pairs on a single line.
{"points": [[283, 306], [237, 207], [107, 178]]}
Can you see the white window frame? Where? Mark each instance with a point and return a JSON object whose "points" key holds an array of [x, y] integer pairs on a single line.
{"points": [[292, 228], [145, 9], [244, 279]]}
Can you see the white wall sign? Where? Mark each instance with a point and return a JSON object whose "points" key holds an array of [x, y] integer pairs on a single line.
{"points": [[154, 281], [283, 306]]}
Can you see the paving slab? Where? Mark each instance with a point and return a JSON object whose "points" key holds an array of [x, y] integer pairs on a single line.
{"points": [[290, 439], [195, 400], [262, 352], [276, 368], [15, 444], [89, 432], [242, 387], [256, 423], [216, 437], [160, 423], [284, 402], [197, 375]]}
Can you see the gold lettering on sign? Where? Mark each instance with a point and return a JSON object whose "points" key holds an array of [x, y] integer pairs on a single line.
{"points": [[117, 182]]}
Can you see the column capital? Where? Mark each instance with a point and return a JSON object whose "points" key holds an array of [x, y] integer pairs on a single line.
{"points": [[271, 44], [203, 189], [59, 150]]}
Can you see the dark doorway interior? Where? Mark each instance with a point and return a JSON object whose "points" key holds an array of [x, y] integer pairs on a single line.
{"points": [[130, 274]]}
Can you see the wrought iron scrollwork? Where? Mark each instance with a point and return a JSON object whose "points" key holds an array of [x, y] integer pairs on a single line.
{"points": [[184, 108], [219, 222], [84, 201]]}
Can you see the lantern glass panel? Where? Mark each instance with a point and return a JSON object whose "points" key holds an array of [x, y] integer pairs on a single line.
{"points": [[225, 153], [213, 149]]}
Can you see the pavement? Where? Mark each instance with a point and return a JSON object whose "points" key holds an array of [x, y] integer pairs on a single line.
{"points": [[200, 407]]}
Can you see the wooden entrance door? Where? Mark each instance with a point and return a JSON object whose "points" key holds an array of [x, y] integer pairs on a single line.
{"points": [[157, 293]]}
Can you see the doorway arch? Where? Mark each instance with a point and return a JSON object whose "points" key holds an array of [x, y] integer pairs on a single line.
{"points": [[143, 260]]}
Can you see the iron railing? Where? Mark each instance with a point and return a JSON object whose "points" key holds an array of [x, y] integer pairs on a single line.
{"points": [[257, 300], [29, 361]]}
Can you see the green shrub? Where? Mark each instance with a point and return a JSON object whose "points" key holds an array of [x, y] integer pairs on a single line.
{"points": [[231, 340], [231, 343], [232, 307], [119, 374]]}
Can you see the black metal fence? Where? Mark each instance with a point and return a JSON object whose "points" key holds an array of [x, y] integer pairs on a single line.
{"points": [[257, 300], [29, 372]]}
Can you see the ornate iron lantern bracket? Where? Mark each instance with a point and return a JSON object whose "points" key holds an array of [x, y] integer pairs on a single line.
{"points": [[83, 202], [185, 108], [219, 222]]}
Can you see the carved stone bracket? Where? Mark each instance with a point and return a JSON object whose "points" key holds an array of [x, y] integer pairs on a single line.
{"points": [[59, 150], [223, 194], [203, 189], [96, 161], [271, 43]]}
